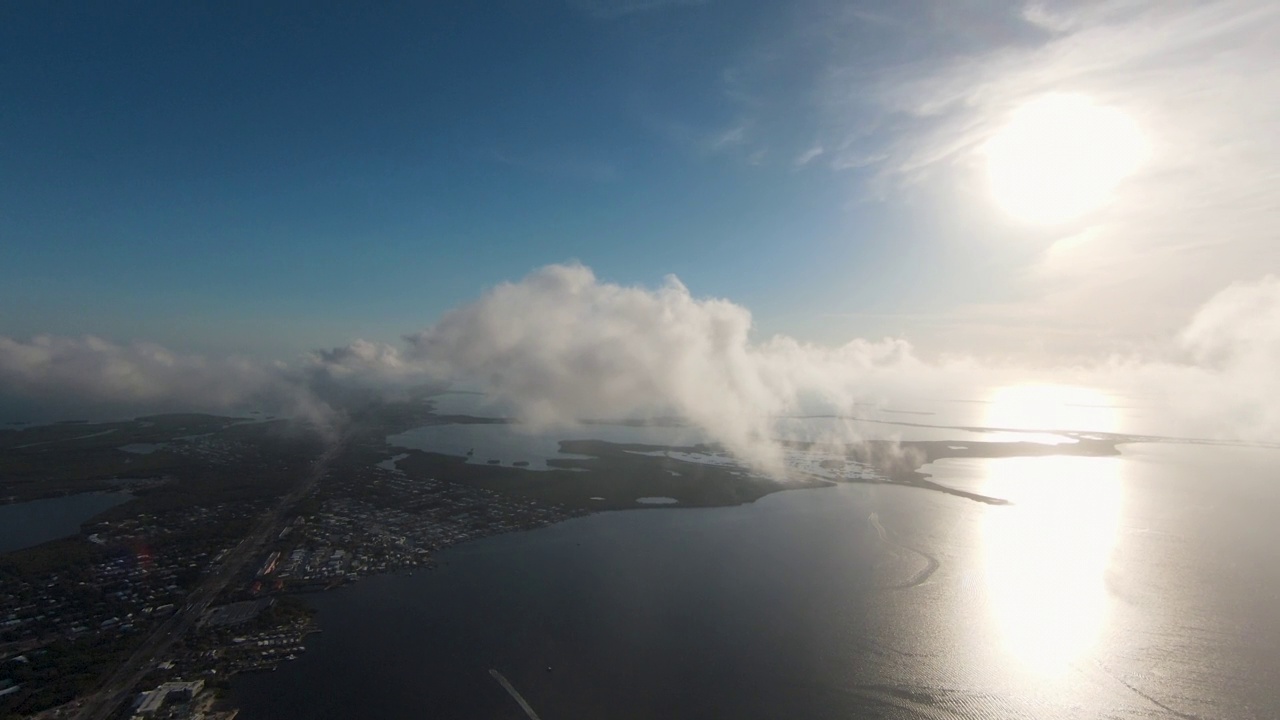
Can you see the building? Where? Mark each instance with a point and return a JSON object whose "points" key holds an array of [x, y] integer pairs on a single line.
{"points": [[150, 702]]}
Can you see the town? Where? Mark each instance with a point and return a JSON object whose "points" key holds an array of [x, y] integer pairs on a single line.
{"points": [[67, 621]]}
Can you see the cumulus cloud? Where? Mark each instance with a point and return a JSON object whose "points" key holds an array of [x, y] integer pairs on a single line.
{"points": [[560, 345], [1239, 328], [1234, 342]]}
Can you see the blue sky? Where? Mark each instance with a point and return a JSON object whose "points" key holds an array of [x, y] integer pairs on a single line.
{"points": [[265, 178]]}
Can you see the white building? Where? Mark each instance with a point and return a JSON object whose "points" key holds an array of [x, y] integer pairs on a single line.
{"points": [[150, 702]]}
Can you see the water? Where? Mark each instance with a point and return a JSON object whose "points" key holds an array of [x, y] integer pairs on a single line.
{"points": [[39, 521], [142, 448], [510, 443], [1140, 586]]}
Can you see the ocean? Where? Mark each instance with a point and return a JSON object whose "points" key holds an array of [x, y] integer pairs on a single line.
{"points": [[1140, 586]]}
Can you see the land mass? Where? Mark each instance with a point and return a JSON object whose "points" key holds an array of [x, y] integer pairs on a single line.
{"points": [[231, 513]]}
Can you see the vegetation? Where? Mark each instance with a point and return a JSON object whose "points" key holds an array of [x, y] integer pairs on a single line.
{"points": [[58, 672]]}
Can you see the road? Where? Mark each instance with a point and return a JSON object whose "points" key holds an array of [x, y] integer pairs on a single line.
{"points": [[120, 684]]}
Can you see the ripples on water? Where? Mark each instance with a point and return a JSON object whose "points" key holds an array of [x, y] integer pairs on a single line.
{"points": [[1112, 587], [1130, 587]]}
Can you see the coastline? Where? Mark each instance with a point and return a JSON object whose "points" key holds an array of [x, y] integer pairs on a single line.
{"points": [[899, 463]]}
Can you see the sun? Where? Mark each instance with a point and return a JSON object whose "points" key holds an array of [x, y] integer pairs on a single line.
{"points": [[1060, 157]]}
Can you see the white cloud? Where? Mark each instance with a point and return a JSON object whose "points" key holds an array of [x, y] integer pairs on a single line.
{"points": [[1199, 78], [809, 155], [560, 345], [1234, 343], [95, 369], [733, 137], [89, 374], [1238, 326]]}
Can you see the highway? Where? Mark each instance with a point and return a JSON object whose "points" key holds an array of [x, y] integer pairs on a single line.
{"points": [[120, 684]]}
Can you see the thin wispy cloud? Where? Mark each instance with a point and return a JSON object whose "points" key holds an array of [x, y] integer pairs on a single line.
{"points": [[732, 137], [1198, 78], [809, 155]]}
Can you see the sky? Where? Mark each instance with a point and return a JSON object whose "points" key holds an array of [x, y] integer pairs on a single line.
{"points": [[238, 186]]}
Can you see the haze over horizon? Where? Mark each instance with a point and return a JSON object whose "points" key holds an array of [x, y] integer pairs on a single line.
{"points": [[208, 208]]}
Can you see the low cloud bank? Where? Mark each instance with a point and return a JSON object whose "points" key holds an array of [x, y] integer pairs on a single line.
{"points": [[561, 345], [90, 375]]}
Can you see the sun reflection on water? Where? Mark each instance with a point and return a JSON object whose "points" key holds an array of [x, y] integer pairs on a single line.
{"points": [[1051, 407], [1047, 554]]}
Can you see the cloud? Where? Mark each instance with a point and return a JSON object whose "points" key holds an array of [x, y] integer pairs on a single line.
{"points": [[92, 375], [1197, 77], [561, 345], [1203, 212], [733, 137], [97, 370], [1045, 16], [363, 362], [809, 155], [1234, 344], [1239, 327]]}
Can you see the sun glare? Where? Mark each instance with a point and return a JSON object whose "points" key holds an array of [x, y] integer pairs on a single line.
{"points": [[1060, 157], [1051, 407], [1047, 555]]}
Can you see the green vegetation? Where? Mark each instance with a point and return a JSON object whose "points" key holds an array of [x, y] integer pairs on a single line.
{"points": [[60, 671], [615, 474], [65, 554], [53, 460]]}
